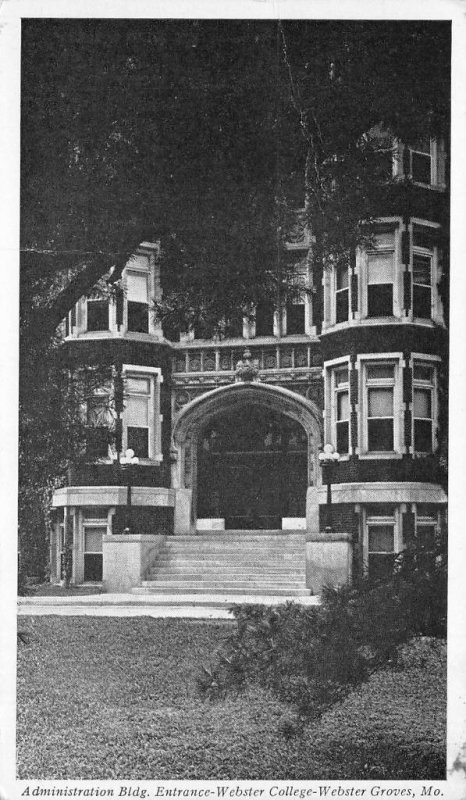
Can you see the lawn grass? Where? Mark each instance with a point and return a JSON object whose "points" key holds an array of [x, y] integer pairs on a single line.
{"points": [[108, 698]]}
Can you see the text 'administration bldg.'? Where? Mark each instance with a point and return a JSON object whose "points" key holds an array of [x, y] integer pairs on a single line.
{"points": [[228, 431]]}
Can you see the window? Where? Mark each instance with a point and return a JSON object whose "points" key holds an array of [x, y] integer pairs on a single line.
{"points": [[382, 540], [341, 409], [138, 305], [420, 162], [141, 418], [97, 314], [423, 407], [337, 405], [422, 283], [93, 551], [295, 318], [342, 294], [380, 409], [264, 318], [100, 423], [380, 274], [137, 415]]}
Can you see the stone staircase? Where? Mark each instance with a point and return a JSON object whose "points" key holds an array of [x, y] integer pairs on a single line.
{"points": [[233, 562]]}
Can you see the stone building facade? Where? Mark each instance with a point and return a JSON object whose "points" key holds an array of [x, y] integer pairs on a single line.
{"points": [[228, 431]]}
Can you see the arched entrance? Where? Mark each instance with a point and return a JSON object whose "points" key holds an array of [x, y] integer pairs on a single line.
{"points": [[248, 453]]}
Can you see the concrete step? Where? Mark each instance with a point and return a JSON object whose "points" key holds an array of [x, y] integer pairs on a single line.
{"points": [[271, 591], [222, 585]]}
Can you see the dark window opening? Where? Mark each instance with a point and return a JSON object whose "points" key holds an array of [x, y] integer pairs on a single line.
{"points": [[422, 302], [138, 440], [264, 318], [93, 567], [423, 435], [380, 435], [97, 441], [295, 318], [138, 317], [97, 315], [420, 167], [380, 300], [343, 436], [342, 306], [381, 555]]}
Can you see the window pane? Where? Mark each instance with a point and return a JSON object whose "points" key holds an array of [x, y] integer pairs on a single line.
{"points": [[343, 437], [422, 301], [423, 372], [137, 287], [380, 435], [380, 402], [422, 403], [380, 371], [381, 538], [342, 278], [138, 317], [138, 440], [380, 268], [93, 566], [99, 413], [420, 167], [93, 539], [294, 318], [341, 376], [137, 412], [97, 441], [342, 406], [264, 319], [342, 305], [380, 300], [423, 435], [423, 236], [97, 315], [422, 269]]}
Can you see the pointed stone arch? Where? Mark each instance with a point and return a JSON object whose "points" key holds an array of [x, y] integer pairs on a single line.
{"points": [[195, 415]]}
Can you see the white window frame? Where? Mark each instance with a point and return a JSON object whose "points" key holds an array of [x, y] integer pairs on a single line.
{"points": [[373, 520], [154, 375], [399, 407], [436, 314], [330, 394], [362, 269], [432, 361]]}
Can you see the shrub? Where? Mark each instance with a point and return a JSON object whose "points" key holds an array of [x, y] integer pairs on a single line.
{"points": [[312, 657]]}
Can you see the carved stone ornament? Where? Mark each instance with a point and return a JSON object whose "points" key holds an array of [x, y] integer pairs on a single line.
{"points": [[247, 369]]}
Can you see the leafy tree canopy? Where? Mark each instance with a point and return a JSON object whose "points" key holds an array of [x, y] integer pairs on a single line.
{"points": [[198, 133]]}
